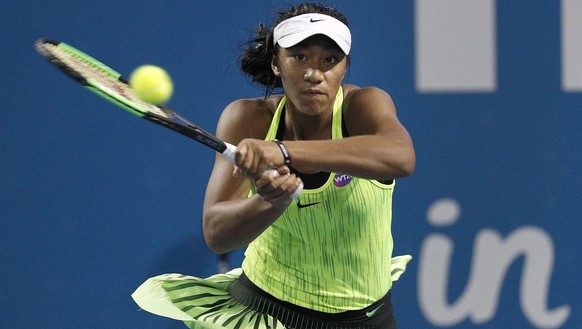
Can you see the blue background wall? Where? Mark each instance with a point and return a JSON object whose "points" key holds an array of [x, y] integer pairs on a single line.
{"points": [[93, 202]]}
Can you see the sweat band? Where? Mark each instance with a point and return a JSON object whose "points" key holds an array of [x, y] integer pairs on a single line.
{"points": [[286, 155]]}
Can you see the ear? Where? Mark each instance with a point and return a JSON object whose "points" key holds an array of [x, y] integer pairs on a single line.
{"points": [[275, 66]]}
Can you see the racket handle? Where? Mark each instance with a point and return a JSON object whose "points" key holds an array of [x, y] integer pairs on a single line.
{"points": [[298, 191], [230, 154]]}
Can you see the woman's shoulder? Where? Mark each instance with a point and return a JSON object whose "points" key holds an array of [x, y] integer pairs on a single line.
{"points": [[249, 116], [350, 89], [255, 106], [355, 95], [357, 91]]}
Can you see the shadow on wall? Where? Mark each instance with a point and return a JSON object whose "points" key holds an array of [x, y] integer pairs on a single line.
{"points": [[190, 256]]}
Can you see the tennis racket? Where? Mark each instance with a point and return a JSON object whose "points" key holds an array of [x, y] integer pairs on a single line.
{"points": [[109, 84]]}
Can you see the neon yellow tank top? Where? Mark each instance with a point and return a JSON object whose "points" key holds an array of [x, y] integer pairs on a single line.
{"points": [[330, 250]]}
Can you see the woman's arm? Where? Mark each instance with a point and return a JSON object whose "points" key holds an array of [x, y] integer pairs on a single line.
{"points": [[231, 219], [378, 146]]}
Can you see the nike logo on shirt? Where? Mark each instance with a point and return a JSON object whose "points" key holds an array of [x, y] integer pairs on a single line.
{"points": [[304, 205]]}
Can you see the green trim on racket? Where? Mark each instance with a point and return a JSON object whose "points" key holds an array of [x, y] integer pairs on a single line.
{"points": [[115, 101], [43, 45], [83, 56]]}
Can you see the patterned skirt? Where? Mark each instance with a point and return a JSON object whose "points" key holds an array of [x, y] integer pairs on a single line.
{"points": [[208, 303]]}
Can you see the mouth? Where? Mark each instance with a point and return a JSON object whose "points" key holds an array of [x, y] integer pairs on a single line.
{"points": [[312, 91]]}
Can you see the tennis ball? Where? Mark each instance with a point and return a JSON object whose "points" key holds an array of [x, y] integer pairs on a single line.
{"points": [[152, 84]]}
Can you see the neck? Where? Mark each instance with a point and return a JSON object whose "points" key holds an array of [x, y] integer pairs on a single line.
{"points": [[299, 126]]}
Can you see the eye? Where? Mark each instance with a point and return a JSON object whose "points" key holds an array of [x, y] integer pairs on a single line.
{"points": [[299, 57], [331, 60]]}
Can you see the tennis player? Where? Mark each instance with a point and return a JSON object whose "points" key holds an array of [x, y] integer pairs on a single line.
{"points": [[324, 259]]}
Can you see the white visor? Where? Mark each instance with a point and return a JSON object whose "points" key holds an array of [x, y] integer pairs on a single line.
{"points": [[292, 31]]}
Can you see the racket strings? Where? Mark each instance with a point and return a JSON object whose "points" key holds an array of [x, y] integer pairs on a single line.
{"points": [[106, 82]]}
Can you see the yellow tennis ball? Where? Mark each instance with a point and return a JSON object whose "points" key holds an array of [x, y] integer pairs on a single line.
{"points": [[152, 84]]}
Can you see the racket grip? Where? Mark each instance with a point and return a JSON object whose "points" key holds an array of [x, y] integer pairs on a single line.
{"points": [[298, 191], [273, 172], [230, 154]]}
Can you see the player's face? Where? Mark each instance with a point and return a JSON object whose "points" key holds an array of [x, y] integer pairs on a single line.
{"points": [[311, 73]]}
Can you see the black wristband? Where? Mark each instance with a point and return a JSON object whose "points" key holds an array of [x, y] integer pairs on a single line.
{"points": [[286, 155]]}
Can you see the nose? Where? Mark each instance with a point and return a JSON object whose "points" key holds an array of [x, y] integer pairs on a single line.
{"points": [[313, 75]]}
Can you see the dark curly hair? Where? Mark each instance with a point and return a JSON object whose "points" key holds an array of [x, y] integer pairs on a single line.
{"points": [[259, 51]]}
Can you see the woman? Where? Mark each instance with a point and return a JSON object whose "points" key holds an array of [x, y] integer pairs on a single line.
{"points": [[322, 260]]}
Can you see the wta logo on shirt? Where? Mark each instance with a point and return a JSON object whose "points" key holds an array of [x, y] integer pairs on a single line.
{"points": [[341, 180]]}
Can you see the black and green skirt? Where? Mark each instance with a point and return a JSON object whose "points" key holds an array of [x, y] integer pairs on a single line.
{"points": [[220, 302]]}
